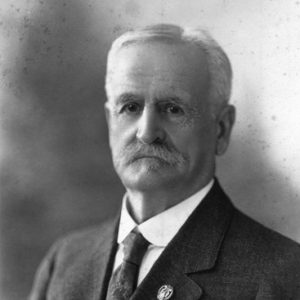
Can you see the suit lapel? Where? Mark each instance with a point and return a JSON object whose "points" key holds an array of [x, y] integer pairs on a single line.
{"points": [[195, 248], [163, 273], [103, 259]]}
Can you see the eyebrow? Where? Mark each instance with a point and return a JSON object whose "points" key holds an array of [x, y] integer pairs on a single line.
{"points": [[126, 97], [174, 99]]}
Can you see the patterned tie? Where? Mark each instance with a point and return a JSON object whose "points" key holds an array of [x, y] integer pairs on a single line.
{"points": [[124, 280]]}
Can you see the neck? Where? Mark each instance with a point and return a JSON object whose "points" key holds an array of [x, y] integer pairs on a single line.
{"points": [[143, 205]]}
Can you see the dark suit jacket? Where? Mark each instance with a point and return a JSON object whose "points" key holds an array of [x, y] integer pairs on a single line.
{"points": [[219, 253]]}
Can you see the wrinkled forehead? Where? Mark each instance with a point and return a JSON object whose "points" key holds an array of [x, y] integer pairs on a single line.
{"points": [[168, 65]]}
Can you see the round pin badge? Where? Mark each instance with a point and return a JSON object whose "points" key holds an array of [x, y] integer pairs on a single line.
{"points": [[165, 292]]}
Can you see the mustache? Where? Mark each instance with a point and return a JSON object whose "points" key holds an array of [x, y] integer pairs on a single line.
{"points": [[164, 152]]}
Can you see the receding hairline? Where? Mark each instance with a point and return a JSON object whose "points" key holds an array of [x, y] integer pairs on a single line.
{"points": [[165, 33], [219, 67]]}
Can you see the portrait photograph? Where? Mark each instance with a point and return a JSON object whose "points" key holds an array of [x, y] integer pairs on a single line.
{"points": [[149, 149]]}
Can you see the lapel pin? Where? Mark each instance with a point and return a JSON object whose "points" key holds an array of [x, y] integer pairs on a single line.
{"points": [[165, 292]]}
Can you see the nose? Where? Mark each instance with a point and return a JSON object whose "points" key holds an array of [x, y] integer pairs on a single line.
{"points": [[150, 129]]}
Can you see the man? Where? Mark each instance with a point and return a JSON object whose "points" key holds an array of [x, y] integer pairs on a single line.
{"points": [[178, 235]]}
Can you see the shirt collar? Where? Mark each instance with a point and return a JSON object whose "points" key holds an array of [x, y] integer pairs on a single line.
{"points": [[160, 229]]}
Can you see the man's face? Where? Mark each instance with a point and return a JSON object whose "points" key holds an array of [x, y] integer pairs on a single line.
{"points": [[161, 129]]}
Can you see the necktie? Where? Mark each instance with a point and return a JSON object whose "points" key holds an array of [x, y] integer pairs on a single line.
{"points": [[124, 280]]}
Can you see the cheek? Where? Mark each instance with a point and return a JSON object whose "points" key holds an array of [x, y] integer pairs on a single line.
{"points": [[115, 136], [120, 134], [194, 142], [121, 123]]}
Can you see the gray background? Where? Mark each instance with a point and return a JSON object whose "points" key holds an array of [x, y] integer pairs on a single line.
{"points": [[55, 166]]}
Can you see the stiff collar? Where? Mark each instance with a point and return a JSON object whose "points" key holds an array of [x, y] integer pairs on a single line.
{"points": [[160, 229]]}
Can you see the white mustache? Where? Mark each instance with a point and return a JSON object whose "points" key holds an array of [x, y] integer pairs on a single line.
{"points": [[166, 153]]}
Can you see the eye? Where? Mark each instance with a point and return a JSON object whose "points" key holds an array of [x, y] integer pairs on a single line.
{"points": [[173, 109], [131, 108]]}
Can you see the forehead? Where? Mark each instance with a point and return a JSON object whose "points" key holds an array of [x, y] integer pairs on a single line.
{"points": [[157, 67]]}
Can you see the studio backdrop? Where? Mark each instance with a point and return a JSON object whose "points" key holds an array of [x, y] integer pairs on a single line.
{"points": [[55, 168]]}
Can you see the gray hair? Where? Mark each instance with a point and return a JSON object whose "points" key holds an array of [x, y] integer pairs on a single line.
{"points": [[220, 72]]}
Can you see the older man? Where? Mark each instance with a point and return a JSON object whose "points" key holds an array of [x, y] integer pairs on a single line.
{"points": [[178, 235]]}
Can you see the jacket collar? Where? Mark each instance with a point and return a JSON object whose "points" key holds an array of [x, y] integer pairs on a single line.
{"points": [[160, 229], [103, 258], [195, 248]]}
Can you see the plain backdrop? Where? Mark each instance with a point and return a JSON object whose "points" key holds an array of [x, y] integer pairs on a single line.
{"points": [[55, 166]]}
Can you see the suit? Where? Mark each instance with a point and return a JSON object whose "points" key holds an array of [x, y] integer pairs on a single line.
{"points": [[219, 253]]}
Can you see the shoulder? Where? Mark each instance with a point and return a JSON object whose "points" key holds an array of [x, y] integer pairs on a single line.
{"points": [[251, 238], [256, 234], [70, 262], [87, 239], [262, 248], [80, 246]]}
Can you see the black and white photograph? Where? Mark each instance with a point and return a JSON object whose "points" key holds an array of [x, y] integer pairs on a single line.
{"points": [[149, 150]]}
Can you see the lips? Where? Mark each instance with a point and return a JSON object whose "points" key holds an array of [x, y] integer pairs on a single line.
{"points": [[145, 157]]}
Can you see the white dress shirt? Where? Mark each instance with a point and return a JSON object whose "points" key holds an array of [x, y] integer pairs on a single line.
{"points": [[158, 230]]}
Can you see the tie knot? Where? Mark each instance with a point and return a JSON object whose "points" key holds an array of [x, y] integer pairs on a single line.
{"points": [[135, 246]]}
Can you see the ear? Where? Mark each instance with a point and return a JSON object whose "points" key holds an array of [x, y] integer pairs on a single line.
{"points": [[225, 123]]}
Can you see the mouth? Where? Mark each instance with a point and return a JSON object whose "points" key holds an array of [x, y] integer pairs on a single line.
{"points": [[151, 160], [146, 157]]}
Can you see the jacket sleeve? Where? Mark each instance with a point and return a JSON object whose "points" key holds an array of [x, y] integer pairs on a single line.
{"points": [[43, 275]]}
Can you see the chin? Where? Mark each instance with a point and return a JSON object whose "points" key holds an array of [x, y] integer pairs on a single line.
{"points": [[146, 176]]}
